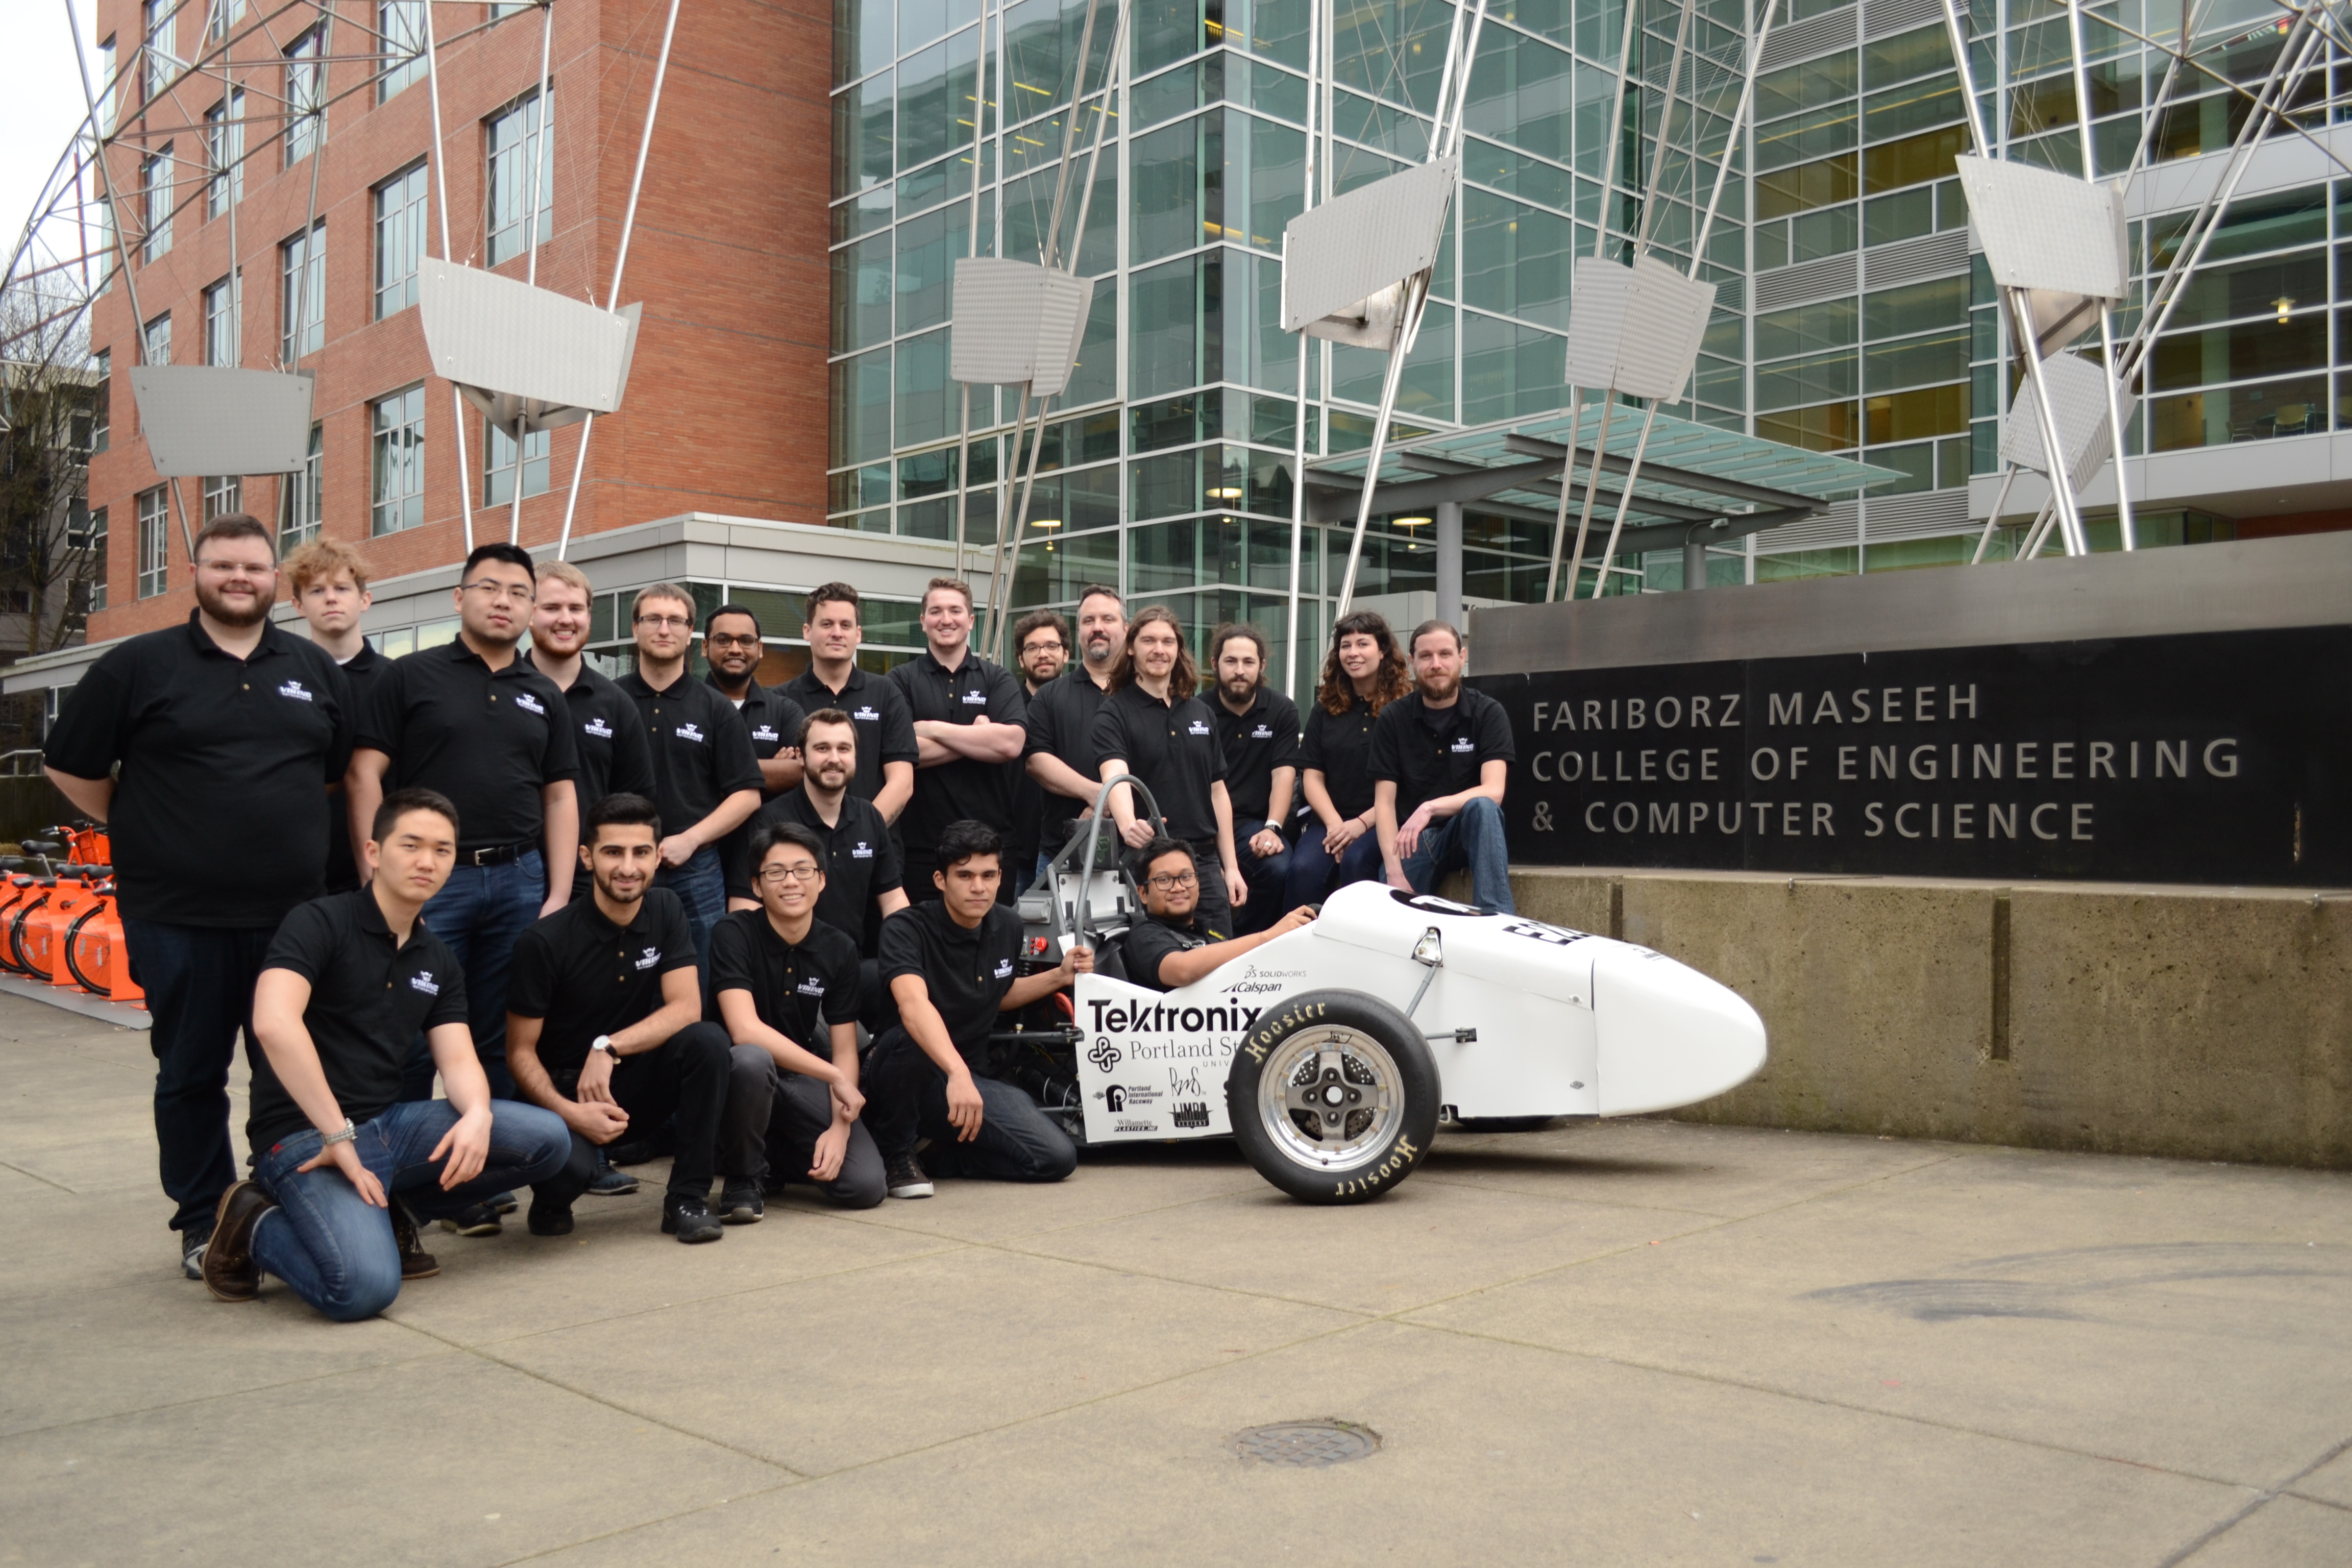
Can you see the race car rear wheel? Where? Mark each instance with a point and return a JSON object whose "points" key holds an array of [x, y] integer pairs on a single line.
{"points": [[1334, 1098]]}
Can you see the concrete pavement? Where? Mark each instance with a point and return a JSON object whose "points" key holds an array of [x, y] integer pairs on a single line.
{"points": [[1621, 1343]]}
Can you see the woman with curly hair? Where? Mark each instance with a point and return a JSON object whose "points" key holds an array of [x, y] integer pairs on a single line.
{"points": [[1363, 673]]}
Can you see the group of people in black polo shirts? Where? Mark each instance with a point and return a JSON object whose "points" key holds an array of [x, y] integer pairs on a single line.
{"points": [[765, 930]]}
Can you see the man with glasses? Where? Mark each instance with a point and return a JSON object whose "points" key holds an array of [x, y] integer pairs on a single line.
{"points": [[170, 736], [1041, 646], [706, 777], [483, 728], [887, 752], [1172, 947], [733, 646], [968, 715]]}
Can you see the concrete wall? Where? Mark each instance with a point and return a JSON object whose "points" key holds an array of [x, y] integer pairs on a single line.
{"points": [[2202, 1022]]}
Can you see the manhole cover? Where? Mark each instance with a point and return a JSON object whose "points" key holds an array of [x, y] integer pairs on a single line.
{"points": [[1306, 1444]]}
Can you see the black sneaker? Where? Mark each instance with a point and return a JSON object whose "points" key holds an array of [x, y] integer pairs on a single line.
{"points": [[416, 1263], [501, 1203], [548, 1219], [191, 1250], [689, 1219], [905, 1178], [479, 1220], [609, 1183], [739, 1202]]}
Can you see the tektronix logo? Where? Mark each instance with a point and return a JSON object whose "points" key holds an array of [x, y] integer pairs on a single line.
{"points": [[293, 688], [529, 704], [650, 957], [423, 981], [598, 728], [691, 732]]}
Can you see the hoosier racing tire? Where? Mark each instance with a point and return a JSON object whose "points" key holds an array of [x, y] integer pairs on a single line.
{"points": [[1333, 1097]]}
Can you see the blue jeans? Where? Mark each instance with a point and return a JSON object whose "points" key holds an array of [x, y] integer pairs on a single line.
{"points": [[1313, 872], [1267, 878], [479, 912], [1471, 838], [334, 1248], [199, 983], [701, 886]]}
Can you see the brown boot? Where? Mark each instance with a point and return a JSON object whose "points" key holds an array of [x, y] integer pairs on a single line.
{"points": [[230, 1272], [416, 1263]]}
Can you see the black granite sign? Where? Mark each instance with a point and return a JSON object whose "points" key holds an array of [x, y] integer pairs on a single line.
{"points": [[2219, 757]]}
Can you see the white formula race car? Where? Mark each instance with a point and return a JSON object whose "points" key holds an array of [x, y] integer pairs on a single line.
{"points": [[1332, 1053]]}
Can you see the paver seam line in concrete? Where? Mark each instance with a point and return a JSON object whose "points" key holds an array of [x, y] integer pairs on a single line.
{"points": [[35, 1175], [618, 1531], [2321, 1502], [6, 1437], [2265, 1496]]}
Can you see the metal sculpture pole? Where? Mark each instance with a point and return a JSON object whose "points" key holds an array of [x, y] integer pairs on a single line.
{"points": [[2107, 310], [971, 249], [531, 234], [441, 190], [1298, 449]]}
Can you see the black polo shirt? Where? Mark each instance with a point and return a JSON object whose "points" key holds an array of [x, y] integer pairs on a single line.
{"points": [[1061, 719], [586, 976], [362, 670], [1150, 940], [1172, 748], [369, 1000], [967, 972], [701, 750], [211, 745], [796, 990], [489, 740], [1430, 752], [614, 758], [1255, 741], [1340, 747], [886, 732], [773, 721], [861, 863], [961, 789]]}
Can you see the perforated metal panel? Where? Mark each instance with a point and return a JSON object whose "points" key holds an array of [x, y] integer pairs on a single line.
{"points": [[1017, 321], [210, 420], [2078, 387], [2044, 230], [1635, 330], [1341, 254], [502, 335]]}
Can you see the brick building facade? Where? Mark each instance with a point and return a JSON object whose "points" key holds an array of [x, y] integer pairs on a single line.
{"points": [[725, 411]]}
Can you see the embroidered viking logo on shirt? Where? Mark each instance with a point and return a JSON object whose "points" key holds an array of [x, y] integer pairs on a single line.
{"points": [[529, 704], [294, 688], [651, 957], [691, 732], [423, 981], [598, 728]]}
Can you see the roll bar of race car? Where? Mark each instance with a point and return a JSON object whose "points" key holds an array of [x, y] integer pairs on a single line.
{"points": [[1094, 840]]}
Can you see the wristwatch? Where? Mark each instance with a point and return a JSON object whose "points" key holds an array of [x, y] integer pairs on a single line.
{"points": [[1271, 823], [605, 1043], [347, 1134]]}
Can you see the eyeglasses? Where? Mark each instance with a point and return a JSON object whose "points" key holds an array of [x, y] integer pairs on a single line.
{"points": [[520, 593], [1168, 882], [677, 623], [776, 876], [721, 640]]}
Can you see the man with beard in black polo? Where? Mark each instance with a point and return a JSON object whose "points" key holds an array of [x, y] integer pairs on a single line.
{"points": [[967, 725], [1060, 752], [733, 646], [170, 737], [604, 1027], [614, 758], [1257, 730], [887, 752]]}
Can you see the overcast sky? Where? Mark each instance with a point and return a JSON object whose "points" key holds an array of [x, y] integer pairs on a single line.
{"points": [[40, 103]]}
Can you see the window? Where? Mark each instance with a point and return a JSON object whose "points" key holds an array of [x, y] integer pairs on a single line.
{"points": [[101, 401], [159, 339], [96, 546], [225, 154], [224, 493], [498, 464], [397, 462], [303, 290], [300, 497], [514, 143], [399, 240], [224, 319], [157, 17], [155, 180], [221, 15], [106, 89], [401, 25], [306, 98], [154, 508]]}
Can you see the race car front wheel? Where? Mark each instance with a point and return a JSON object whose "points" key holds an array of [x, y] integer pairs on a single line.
{"points": [[1333, 1097]]}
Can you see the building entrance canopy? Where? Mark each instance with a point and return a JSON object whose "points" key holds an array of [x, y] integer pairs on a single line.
{"points": [[1699, 484]]}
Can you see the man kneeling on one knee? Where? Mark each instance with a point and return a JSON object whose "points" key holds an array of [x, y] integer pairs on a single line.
{"points": [[785, 986], [339, 1161], [951, 964], [604, 1023]]}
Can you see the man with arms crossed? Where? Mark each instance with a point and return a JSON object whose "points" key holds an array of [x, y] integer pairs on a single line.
{"points": [[350, 980], [1440, 755], [784, 984], [614, 758], [225, 721], [706, 777], [967, 725], [1172, 948], [1061, 721], [950, 963], [603, 1024], [328, 580], [887, 752], [1257, 729]]}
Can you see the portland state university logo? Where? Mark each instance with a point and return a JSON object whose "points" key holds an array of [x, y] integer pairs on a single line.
{"points": [[1104, 1054]]}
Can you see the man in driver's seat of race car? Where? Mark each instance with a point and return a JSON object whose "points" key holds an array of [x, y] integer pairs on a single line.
{"points": [[1173, 948]]}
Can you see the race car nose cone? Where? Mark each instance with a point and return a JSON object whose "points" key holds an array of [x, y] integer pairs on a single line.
{"points": [[1667, 1035]]}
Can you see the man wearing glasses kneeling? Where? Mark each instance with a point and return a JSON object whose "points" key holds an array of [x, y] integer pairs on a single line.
{"points": [[1173, 948]]}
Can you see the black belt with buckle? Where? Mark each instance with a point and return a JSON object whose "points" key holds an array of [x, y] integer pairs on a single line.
{"points": [[499, 856]]}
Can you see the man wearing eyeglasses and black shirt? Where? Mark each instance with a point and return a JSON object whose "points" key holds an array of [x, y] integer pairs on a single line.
{"points": [[784, 984], [950, 963], [887, 750], [484, 728], [605, 1024], [733, 646], [1257, 729], [614, 758], [1153, 726], [1171, 947], [706, 777], [967, 725]]}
